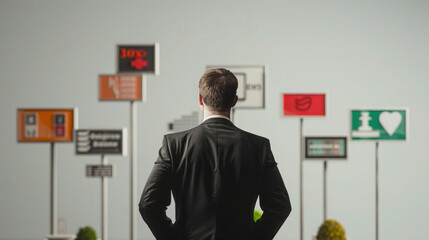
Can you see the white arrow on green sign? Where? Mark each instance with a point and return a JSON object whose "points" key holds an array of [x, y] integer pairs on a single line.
{"points": [[389, 124]]}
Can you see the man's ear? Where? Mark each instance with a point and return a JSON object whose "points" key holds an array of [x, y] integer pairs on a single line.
{"points": [[235, 101], [201, 99]]}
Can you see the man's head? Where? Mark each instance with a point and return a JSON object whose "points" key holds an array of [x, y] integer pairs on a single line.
{"points": [[218, 89]]}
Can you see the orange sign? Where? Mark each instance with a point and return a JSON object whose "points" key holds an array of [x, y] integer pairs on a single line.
{"points": [[45, 125], [120, 87]]}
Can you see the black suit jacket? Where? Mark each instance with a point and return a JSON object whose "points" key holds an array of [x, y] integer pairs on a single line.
{"points": [[215, 172]]}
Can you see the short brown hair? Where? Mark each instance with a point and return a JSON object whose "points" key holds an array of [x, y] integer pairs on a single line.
{"points": [[218, 88]]}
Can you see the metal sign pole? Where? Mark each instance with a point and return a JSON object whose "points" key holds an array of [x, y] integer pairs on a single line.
{"points": [[104, 189], [376, 190], [54, 188], [133, 158], [301, 126], [325, 199]]}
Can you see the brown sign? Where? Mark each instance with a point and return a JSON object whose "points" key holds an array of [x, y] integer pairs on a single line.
{"points": [[45, 125], [120, 87]]}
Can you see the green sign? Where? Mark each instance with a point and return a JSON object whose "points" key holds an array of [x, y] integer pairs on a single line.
{"points": [[379, 124]]}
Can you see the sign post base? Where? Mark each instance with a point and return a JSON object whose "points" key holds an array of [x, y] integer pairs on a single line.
{"points": [[61, 237]]}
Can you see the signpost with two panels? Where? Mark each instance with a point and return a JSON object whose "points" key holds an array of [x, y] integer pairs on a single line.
{"points": [[134, 61], [101, 142]]}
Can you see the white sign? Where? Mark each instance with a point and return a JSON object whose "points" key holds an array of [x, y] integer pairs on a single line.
{"points": [[251, 85], [31, 125]]}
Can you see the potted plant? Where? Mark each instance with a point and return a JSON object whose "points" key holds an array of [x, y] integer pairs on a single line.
{"points": [[86, 233], [331, 230]]}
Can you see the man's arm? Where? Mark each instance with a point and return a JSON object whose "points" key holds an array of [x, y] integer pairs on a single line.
{"points": [[274, 199], [156, 196]]}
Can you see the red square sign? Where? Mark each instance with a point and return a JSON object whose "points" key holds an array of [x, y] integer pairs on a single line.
{"points": [[60, 131], [304, 104]]}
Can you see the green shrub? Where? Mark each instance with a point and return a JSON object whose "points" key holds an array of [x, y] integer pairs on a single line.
{"points": [[86, 233], [331, 230], [256, 215]]}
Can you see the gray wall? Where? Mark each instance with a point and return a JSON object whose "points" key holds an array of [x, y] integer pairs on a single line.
{"points": [[363, 54]]}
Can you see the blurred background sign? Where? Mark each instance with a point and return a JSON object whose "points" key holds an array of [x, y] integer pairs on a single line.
{"points": [[251, 85], [120, 87], [379, 124], [101, 141], [304, 104], [138, 58], [326, 148], [45, 125], [99, 170], [185, 122]]}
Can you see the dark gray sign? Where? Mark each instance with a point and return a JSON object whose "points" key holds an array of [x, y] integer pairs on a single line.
{"points": [[138, 58], [99, 170], [326, 148], [101, 141]]}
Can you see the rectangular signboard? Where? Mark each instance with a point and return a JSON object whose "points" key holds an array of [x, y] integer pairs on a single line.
{"points": [[302, 105], [99, 170], [121, 87], [251, 85], [136, 58], [326, 148], [46, 125], [379, 124], [185, 122], [101, 141]]}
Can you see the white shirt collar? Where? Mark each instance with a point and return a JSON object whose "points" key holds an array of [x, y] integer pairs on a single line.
{"points": [[216, 116]]}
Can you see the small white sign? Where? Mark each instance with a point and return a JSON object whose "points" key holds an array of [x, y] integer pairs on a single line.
{"points": [[31, 125], [100, 170], [251, 85]]}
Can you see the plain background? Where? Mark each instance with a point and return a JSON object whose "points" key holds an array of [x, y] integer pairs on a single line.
{"points": [[361, 53]]}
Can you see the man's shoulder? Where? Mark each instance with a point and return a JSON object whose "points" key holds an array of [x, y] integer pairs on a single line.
{"points": [[182, 134], [257, 139]]}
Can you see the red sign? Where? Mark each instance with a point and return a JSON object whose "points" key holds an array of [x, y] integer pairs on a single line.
{"points": [[304, 104], [60, 131]]}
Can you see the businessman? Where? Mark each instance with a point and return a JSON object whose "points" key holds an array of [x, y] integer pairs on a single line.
{"points": [[215, 172]]}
